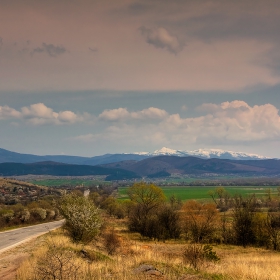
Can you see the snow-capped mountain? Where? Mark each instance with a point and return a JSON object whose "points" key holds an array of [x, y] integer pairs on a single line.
{"points": [[204, 153]]}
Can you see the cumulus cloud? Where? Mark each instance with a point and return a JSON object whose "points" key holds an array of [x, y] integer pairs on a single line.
{"points": [[39, 114], [227, 123], [161, 38], [7, 112], [114, 115], [49, 49], [234, 121], [121, 114]]}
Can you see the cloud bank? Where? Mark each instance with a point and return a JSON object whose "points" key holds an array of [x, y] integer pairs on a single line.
{"points": [[225, 123]]}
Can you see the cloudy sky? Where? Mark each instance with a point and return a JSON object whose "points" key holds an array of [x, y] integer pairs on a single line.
{"points": [[90, 77]]}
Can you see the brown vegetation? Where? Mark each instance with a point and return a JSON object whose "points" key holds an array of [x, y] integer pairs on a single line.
{"points": [[158, 239]]}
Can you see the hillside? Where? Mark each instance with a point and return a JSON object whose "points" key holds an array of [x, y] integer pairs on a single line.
{"points": [[197, 166], [60, 169]]}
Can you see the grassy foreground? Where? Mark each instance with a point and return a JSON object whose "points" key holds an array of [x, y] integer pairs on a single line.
{"points": [[93, 261]]}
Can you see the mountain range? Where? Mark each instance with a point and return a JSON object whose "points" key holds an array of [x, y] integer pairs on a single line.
{"points": [[164, 166], [205, 153], [8, 156], [161, 163]]}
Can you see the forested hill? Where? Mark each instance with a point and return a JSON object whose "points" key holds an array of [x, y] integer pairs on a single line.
{"points": [[60, 169], [161, 166]]}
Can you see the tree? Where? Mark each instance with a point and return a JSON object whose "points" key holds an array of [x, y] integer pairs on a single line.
{"points": [[148, 196], [244, 220], [146, 199], [221, 197], [200, 220], [273, 228], [82, 217]]}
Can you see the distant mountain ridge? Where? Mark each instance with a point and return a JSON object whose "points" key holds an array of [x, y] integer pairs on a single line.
{"points": [[164, 166], [135, 166], [8, 156], [205, 153], [61, 169]]}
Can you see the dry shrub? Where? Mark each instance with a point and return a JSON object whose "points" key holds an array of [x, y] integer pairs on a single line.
{"points": [[58, 263], [112, 242], [198, 255]]}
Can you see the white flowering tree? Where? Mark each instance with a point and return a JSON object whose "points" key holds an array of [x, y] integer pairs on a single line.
{"points": [[82, 218]]}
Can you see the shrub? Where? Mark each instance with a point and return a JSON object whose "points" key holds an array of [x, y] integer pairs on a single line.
{"points": [[8, 215], [112, 242], [58, 263], [24, 215], [82, 218], [197, 255], [39, 213], [162, 224], [244, 220], [200, 221]]}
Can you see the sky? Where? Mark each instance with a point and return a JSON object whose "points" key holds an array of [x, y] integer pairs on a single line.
{"points": [[91, 77]]}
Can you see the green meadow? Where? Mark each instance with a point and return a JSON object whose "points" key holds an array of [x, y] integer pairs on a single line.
{"points": [[201, 193]]}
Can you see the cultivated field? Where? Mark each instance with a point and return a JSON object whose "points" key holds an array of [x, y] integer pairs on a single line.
{"points": [[201, 193]]}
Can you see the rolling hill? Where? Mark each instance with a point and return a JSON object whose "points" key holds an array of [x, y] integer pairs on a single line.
{"points": [[196, 166], [60, 169]]}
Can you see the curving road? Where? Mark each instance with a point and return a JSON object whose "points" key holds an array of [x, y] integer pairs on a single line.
{"points": [[12, 238]]}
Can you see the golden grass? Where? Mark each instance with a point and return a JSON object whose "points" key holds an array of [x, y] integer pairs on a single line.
{"points": [[236, 263], [248, 263]]}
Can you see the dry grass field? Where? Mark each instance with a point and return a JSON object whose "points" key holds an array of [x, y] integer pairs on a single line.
{"points": [[57, 255]]}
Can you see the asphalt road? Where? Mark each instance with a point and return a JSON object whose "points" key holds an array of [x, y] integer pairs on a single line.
{"points": [[12, 238]]}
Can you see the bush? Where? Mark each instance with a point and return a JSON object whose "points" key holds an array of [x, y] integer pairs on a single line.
{"points": [[112, 242], [58, 263], [197, 255], [82, 218], [200, 221], [39, 213], [244, 220], [24, 215], [162, 224]]}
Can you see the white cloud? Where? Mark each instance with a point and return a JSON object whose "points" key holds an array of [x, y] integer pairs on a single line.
{"points": [[38, 110], [234, 121], [228, 123], [161, 38], [39, 114], [6, 113], [150, 113], [122, 114], [114, 115]]}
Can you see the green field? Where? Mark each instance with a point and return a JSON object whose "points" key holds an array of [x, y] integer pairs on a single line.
{"points": [[199, 192]]}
